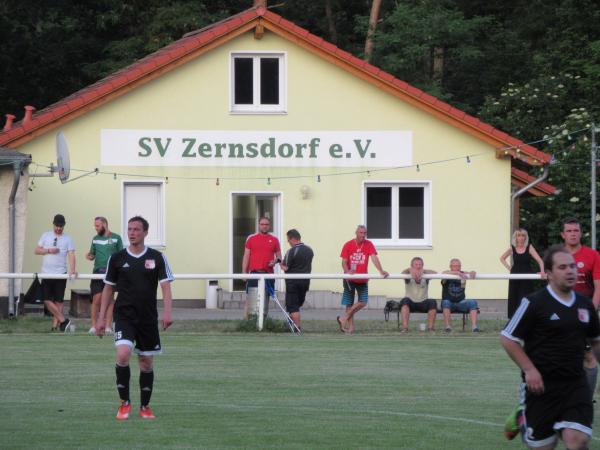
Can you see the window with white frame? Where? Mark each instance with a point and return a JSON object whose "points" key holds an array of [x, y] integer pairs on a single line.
{"points": [[398, 214], [258, 83], [146, 199]]}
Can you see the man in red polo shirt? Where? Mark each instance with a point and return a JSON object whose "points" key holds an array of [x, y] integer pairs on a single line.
{"points": [[261, 253], [588, 281], [355, 259]]}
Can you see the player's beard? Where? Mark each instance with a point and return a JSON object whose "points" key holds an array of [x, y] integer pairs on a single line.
{"points": [[102, 231]]}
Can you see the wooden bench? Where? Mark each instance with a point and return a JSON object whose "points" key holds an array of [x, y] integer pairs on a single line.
{"points": [[396, 308], [81, 303]]}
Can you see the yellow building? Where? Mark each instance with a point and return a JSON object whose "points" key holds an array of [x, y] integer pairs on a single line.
{"points": [[254, 115]]}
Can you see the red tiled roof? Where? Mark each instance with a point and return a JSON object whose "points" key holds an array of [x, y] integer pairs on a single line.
{"points": [[522, 179], [192, 43]]}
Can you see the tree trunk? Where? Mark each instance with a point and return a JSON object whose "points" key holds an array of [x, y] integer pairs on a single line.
{"points": [[437, 64], [330, 22], [375, 6]]}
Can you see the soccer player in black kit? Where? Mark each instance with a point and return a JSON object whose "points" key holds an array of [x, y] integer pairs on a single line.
{"points": [[554, 325], [135, 272]]}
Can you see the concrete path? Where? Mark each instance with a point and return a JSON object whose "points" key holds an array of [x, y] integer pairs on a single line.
{"points": [[307, 314]]}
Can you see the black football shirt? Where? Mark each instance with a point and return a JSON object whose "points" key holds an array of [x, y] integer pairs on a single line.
{"points": [[136, 278], [554, 332]]}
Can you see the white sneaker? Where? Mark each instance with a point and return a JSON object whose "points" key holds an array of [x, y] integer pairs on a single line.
{"points": [[108, 330], [92, 330]]}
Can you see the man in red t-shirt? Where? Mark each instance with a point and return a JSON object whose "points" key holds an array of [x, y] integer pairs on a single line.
{"points": [[355, 259], [588, 281], [262, 252]]}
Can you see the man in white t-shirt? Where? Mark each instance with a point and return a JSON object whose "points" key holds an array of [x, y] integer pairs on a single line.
{"points": [[57, 248]]}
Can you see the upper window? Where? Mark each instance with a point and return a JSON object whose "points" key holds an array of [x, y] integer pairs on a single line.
{"points": [[258, 83], [146, 199], [398, 214]]}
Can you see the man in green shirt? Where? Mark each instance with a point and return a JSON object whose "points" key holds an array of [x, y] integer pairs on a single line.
{"points": [[104, 245]]}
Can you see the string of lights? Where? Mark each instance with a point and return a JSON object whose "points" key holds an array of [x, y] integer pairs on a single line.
{"points": [[269, 179], [417, 166]]}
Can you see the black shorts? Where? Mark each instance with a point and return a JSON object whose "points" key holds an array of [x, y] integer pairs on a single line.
{"points": [[54, 290], [564, 404], [295, 294], [269, 283], [144, 335], [422, 307], [96, 286]]}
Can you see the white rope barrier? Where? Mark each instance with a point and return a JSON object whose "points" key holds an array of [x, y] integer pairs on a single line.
{"points": [[261, 277], [277, 276]]}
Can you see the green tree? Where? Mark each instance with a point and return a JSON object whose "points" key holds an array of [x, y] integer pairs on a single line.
{"points": [[554, 110], [430, 43]]}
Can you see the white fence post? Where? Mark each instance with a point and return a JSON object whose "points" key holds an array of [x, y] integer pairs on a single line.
{"points": [[260, 297]]}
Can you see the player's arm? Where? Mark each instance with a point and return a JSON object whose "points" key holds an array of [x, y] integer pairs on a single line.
{"points": [[71, 259], [533, 378], [41, 250], [167, 303], [596, 296], [596, 348], [345, 267], [246, 260], [537, 258], [285, 264], [377, 265], [107, 295], [451, 272], [91, 255], [503, 257]]}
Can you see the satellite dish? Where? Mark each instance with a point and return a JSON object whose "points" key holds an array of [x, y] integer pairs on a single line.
{"points": [[62, 157]]}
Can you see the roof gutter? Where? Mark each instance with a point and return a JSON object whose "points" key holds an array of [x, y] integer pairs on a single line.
{"points": [[521, 191], [19, 162]]}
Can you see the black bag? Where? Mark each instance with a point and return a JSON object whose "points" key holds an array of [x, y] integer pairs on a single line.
{"points": [[34, 293], [390, 305]]}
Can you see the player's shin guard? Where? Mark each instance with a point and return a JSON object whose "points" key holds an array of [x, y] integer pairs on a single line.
{"points": [[123, 376], [592, 377], [146, 383]]}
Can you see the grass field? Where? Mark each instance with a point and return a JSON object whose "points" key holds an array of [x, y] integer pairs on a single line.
{"points": [[220, 389]]}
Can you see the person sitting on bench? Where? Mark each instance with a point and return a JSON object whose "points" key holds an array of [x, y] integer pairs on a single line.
{"points": [[453, 296], [415, 299]]}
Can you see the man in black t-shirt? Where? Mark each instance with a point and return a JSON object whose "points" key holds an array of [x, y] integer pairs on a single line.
{"points": [[454, 298], [135, 272], [298, 259], [554, 325]]}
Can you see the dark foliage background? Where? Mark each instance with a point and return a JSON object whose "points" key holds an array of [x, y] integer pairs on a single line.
{"points": [[529, 67]]}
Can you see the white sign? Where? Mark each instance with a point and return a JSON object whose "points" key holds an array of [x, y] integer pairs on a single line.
{"points": [[256, 148]]}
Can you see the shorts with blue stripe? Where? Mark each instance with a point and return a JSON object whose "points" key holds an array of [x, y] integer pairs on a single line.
{"points": [[350, 288]]}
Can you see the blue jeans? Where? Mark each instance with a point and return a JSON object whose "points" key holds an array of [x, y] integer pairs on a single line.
{"points": [[464, 306]]}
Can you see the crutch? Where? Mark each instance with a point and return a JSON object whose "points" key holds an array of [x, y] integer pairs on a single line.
{"points": [[293, 327]]}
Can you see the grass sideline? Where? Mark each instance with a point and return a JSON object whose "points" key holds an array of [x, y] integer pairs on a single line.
{"points": [[223, 390], [39, 324]]}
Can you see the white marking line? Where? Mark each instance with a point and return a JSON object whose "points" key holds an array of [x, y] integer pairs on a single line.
{"points": [[311, 409], [369, 411]]}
